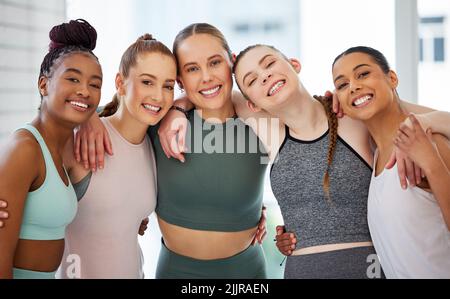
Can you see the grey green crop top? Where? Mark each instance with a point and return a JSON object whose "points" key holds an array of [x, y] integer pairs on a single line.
{"points": [[296, 179], [50, 208], [220, 186]]}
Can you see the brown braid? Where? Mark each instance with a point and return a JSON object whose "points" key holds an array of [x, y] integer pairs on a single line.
{"points": [[332, 139], [111, 107]]}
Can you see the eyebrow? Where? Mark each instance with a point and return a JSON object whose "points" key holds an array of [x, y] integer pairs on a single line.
{"points": [[77, 71], [354, 69], [259, 63], [212, 57], [155, 78], [148, 75]]}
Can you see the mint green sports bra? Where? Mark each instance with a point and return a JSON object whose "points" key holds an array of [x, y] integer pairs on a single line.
{"points": [[49, 209]]}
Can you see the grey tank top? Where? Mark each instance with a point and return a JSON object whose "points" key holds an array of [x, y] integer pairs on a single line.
{"points": [[297, 183]]}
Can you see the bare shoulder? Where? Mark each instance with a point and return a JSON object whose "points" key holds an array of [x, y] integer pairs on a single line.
{"points": [[348, 126], [21, 148], [415, 108], [20, 159], [356, 135]]}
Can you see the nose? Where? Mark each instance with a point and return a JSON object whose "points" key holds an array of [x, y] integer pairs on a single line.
{"points": [[266, 78], [83, 91], [158, 95], [354, 86], [206, 76]]}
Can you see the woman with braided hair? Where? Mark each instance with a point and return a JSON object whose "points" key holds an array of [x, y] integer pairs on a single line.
{"points": [[33, 177], [321, 172]]}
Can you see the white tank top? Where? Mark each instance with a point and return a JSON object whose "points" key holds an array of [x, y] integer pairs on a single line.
{"points": [[408, 229], [102, 241]]}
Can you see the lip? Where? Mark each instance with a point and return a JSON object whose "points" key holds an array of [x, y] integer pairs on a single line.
{"points": [[78, 108], [152, 112], [362, 96], [212, 95], [278, 90]]}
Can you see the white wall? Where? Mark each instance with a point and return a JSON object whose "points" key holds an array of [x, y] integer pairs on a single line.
{"points": [[330, 27], [24, 27]]}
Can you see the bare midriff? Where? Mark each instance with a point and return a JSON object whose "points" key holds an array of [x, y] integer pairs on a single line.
{"points": [[41, 256], [205, 245], [330, 247]]}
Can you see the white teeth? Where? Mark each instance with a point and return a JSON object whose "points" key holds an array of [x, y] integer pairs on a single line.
{"points": [[362, 100], [210, 91], [82, 105], [276, 87], [152, 108]]}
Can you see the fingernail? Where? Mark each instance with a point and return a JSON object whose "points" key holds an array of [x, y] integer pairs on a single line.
{"points": [[2, 204], [293, 246], [3, 214], [404, 187], [1, 223], [101, 167]]}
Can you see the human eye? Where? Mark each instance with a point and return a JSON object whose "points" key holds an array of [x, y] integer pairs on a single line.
{"points": [[271, 63], [341, 85], [363, 74], [96, 86], [73, 79], [147, 82], [192, 69], [216, 62], [169, 87], [252, 81]]}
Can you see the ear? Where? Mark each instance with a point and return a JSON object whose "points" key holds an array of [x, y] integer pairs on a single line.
{"points": [[393, 79], [42, 85], [233, 58], [296, 65], [120, 84], [253, 107]]}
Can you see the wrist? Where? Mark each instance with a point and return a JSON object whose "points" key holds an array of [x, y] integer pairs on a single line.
{"points": [[178, 108]]}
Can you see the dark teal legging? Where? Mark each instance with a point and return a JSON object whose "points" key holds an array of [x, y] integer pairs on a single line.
{"points": [[248, 264]]}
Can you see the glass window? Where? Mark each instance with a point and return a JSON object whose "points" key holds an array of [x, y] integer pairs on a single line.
{"points": [[434, 67]]}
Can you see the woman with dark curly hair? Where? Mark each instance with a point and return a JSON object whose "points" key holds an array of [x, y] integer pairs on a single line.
{"points": [[33, 179]]}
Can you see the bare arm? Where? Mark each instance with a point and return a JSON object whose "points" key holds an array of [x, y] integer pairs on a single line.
{"points": [[18, 170], [438, 175], [268, 128], [438, 121], [434, 160], [91, 141]]}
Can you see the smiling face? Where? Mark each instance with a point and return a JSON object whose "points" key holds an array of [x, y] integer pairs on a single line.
{"points": [[362, 87], [205, 71], [148, 90], [73, 89], [267, 78]]}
